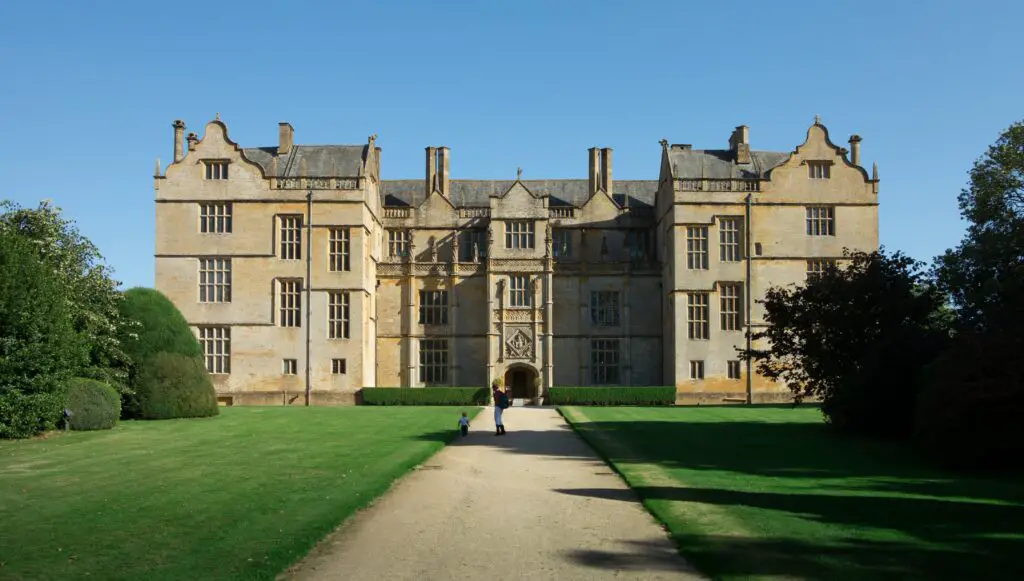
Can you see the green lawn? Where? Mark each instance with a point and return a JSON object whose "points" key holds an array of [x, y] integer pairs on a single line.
{"points": [[239, 496], [771, 492]]}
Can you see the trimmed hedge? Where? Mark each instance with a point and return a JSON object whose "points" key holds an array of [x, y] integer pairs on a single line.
{"points": [[94, 405], [23, 415], [426, 396], [171, 385], [612, 396]]}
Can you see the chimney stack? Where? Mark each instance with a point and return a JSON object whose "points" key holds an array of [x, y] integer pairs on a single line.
{"points": [[431, 170], [855, 149], [443, 179], [593, 181], [179, 139], [192, 139], [286, 138], [606, 170], [739, 143]]}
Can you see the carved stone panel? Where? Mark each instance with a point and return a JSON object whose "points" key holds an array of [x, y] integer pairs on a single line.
{"points": [[518, 342]]}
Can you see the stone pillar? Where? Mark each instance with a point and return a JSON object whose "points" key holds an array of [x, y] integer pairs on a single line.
{"points": [[453, 320], [549, 328], [410, 317]]}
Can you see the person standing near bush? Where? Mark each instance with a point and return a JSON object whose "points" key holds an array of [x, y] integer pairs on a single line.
{"points": [[500, 403]]}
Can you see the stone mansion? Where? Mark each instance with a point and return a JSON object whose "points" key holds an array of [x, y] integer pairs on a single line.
{"points": [[307, 276]]}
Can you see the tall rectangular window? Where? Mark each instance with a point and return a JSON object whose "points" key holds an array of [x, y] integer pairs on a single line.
{"points": [[605, 362], [519, 234], [730, 294], [817, 266], [338, 311], [729, 239], [398, 243], [733, 369], [472, 239], [338, 256], [638, 242], [291, 237], [604, 308], [697, 315], [561, 244], [215, 280], [519, 291], [434, 361], [216, 170], [215, 218], [821, 221], [433, 307], [697, 369], [697, 247], [289, 303], [819, 170], [216, 342]]}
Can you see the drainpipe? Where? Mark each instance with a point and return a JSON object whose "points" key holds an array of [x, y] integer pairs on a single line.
{"points": [[750, 363], [309, 283]]}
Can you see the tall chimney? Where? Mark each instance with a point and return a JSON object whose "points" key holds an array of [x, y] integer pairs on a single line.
{"points": [[593, 181], [606, 170], [179, 139], [192, 139], [286, 138], [442, 170], [855, 149], [431, 170], [739, 143]]}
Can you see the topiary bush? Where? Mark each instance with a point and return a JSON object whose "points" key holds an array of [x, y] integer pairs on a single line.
{"points": [[172, 385], [426, 395], [94, 405], [161, 328], [971, 404], [612, 396]]}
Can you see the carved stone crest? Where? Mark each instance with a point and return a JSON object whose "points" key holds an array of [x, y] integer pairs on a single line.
{"points": [[519, 344]]}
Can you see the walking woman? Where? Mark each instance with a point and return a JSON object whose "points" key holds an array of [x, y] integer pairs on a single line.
{"points": [[500, 403]]}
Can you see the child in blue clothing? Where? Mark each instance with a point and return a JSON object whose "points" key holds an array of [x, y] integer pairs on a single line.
{"points": [[464, 424]]}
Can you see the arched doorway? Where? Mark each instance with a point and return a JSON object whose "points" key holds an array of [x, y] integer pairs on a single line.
{"points": [[522, 381]]}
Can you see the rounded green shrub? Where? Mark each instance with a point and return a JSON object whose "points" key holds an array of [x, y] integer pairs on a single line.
{"points": [[161, 329], [172, 385], [971, 403], [94, 405]]}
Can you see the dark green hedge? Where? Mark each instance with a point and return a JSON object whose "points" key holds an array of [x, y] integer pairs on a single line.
{"points": [[645, 396], [23, 415], [426, 396], [171, 385], [94, 405]]}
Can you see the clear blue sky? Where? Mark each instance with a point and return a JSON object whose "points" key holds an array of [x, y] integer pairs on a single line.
{"points": [[88, 91]]}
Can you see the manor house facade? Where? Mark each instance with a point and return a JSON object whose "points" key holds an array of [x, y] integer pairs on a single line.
{"points": [[305, 274]]}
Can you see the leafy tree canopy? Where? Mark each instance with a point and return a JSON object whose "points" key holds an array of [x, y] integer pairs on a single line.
{"points": [[855, 338]]}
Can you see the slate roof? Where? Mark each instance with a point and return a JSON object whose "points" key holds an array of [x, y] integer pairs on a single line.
{"points": [[477, 193], [720, 164], [315, 161]]}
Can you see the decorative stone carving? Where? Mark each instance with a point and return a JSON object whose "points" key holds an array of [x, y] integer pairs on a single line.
{"points": [[433, 249], [518, 315], [518, 343], [455, 248], [318, 183]]}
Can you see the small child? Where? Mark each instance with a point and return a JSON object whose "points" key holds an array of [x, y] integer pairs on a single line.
{"points": [[464, 424]]}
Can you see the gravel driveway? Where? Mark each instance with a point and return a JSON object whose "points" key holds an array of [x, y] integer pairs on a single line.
{"points": [[536, 503]]}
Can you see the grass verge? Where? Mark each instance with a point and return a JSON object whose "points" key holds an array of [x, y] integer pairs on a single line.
{"points": [[238, 496], [759, 493]]}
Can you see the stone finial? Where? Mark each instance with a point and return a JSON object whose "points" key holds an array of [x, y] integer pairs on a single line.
{"points": [[193, 139], [157, 174], [519, 173], [874, 171], [664, 143], [817, 119], [217, 116]]}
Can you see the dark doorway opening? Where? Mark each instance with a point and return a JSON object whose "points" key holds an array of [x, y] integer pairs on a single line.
{"points": [[520, 381]]}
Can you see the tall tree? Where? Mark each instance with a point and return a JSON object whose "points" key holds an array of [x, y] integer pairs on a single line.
{"points": [[855, 338], [93, 292], [984, 275], [39, 347]]}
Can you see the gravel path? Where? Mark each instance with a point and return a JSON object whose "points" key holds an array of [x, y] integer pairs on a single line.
{"points": [[539, 493]]}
